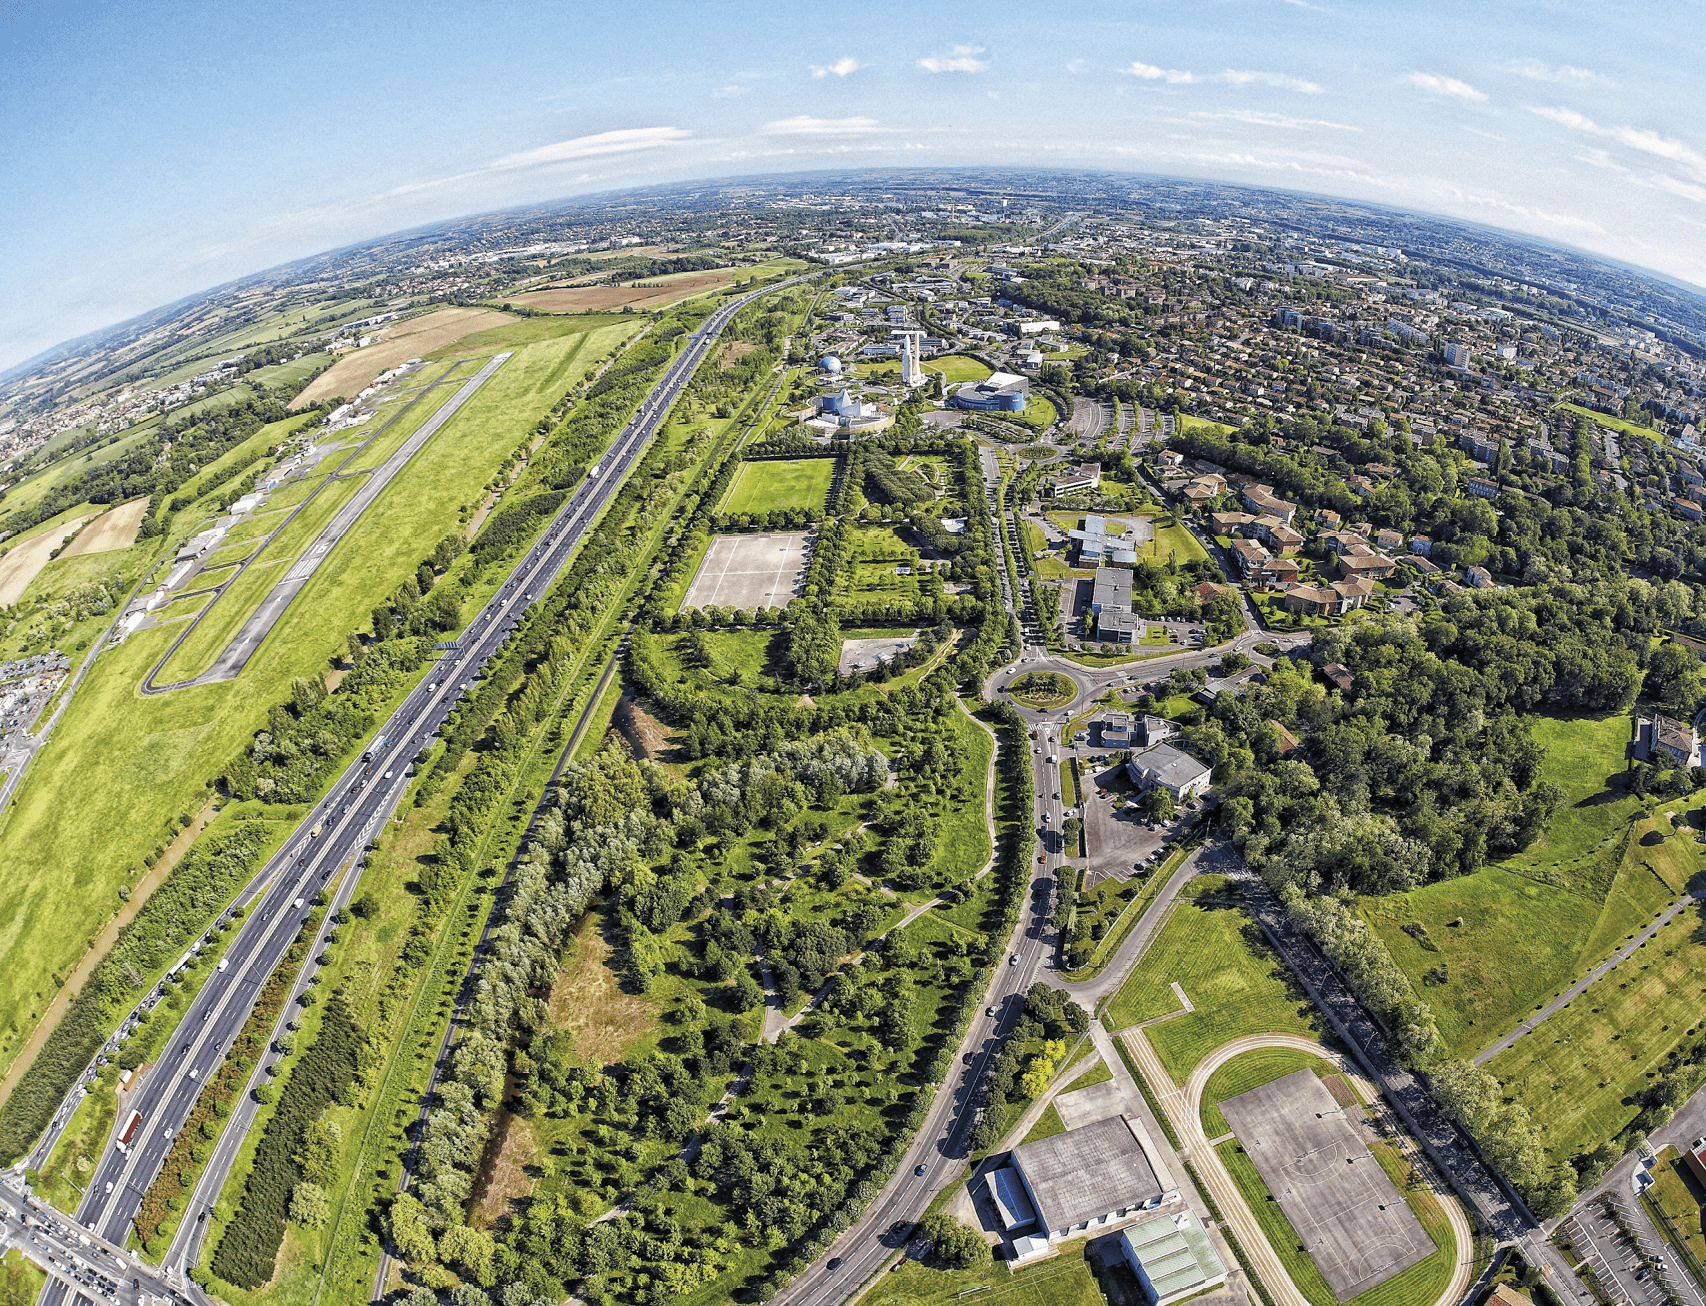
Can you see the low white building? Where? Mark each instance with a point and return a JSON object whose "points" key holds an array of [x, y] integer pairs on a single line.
{"points": [[1176, 771]]}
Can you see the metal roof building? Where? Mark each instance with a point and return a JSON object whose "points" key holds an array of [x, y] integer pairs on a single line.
{"points": [[1172, 1257], [1092, 1176]]}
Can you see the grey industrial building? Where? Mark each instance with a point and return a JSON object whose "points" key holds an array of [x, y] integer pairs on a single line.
{"points": [[1079, 1182]]}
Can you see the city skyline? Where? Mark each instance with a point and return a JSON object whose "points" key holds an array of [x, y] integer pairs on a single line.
{"points": [[165, 157]]}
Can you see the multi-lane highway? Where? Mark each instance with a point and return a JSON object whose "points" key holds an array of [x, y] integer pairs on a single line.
{"points": [[333, 835]]}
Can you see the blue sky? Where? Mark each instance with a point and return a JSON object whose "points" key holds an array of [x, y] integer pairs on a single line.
{"points": [[154, 150]]}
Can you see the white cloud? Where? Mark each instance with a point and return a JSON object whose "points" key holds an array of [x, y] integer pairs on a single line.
{"points": [[1150, 73], [1234, 76], [727, 92], [1240, 77], [598, 145], [1682, 188], [959, 59], [1077, 65], [841, 67], [1304, 4], [807, 126], [1643, 139], [1444, 86], [1257, 118], [1537, 71]]}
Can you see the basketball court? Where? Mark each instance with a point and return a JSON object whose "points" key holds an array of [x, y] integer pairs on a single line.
{"points": [[1348, 1214], [751, 571]]}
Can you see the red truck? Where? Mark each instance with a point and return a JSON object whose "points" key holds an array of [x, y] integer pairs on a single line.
{"points": [[129, 1130]]}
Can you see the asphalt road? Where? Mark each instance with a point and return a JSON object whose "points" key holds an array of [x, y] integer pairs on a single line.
{"points": [[338, 829], [74, 1260]]}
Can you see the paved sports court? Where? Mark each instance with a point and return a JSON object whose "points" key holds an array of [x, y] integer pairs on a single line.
{"points": [[751, 571], [1347, 1213]]}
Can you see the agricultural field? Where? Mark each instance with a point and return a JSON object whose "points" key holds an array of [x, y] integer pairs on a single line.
{"points": [[1508, 937], [26, 556], [415, 337], [1236, 982], [72, 599], [767, 486]]}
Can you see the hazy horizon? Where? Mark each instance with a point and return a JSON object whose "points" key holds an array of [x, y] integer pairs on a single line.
{"points": [[158, 155]]}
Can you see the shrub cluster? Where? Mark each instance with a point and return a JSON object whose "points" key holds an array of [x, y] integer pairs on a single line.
{"points": [[325, 1074]]}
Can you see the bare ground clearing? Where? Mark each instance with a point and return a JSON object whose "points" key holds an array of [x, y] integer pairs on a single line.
{"points": [[416, 338]]}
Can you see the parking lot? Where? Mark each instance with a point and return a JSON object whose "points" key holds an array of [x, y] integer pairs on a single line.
{"points": [[1117, 839], [1630, 1262]]}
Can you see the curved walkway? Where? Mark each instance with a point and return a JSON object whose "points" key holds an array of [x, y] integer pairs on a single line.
{"points": [[1184, 1108]]}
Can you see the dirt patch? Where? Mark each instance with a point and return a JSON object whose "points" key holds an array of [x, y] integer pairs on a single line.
{"points": [[416, 338], [504, 1184], [587, 299], [19, 567], [643, 732], [139, 894], [113, 529], [1340, 1090], [587, 999], [736, 351]]}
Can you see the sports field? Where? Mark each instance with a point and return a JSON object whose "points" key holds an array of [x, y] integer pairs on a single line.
{"points": [[766, 486], [1318, 1166], [751, 571]]}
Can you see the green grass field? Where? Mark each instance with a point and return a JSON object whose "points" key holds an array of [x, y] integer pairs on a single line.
{"points": [[765, 486], [963, 849], [1579, 1071], [1421, 1283], [1063, 1280], [20, 1282], [956, 368], [1679, 1195], [1236, 982], [133, 762], [1615, 423], [1512, 935]]}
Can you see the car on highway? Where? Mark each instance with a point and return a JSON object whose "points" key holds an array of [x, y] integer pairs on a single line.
{"points": [[923, 1168], [1013, 960]]}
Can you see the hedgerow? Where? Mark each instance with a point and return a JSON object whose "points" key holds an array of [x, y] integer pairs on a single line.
{"points": [[182, 1166], [172, 917], [324, 1074]]}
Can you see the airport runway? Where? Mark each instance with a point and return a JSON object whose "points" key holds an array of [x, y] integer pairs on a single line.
{"points": [[230, 663], [331, 838]]}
